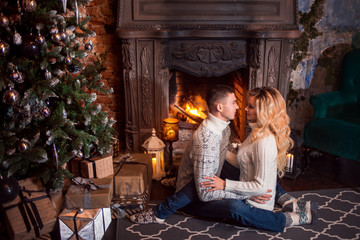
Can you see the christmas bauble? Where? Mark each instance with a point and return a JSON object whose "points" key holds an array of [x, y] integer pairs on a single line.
{"points": [[48, 75], [45, 111], [14, 75], [63, 36], [56, 37], [40, 40], [17, 39], [23, 145], [68, 60], [29, 47], [11, 96], [29, 5], [54, 30], [4, 48], [89, 46], [4, 21], [9, 189]]}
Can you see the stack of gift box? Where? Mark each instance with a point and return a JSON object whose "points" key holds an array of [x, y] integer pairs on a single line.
{"points": [[82, 210]]}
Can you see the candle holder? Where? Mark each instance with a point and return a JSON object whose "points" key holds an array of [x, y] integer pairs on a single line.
{"points": [[155, 146], [170, 135]]}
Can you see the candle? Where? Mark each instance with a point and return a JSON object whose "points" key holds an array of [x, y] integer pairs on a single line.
{"points": [[154, 165], [288, 158]]}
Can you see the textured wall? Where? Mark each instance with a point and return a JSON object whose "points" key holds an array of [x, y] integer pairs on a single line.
{"points": [[319, 71]]}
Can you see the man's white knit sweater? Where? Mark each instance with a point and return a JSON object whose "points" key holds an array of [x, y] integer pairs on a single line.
{"points": [[204, 156]]}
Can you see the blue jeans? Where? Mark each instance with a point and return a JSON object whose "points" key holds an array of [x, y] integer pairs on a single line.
{"points": [[237, 210]]}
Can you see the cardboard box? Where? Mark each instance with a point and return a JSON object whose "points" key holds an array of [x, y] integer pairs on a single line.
{"points": [[35, 203], [90, 224], [132, 178], [96, 167], [81, 196]]}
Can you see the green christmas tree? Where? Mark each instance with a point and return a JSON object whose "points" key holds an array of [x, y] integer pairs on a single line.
{"points": [[48, 85]]}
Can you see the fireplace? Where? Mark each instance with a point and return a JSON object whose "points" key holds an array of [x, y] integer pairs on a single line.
{"points": [[251, 41]]}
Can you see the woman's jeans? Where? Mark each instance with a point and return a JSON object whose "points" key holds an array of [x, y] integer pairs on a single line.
{"points": [[237, 210]]}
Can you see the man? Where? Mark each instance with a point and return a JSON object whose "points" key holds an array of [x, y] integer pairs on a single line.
{"points": [[203, 157]]}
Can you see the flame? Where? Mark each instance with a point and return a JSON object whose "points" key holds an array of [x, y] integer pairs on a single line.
{"points": [[195, 111]]}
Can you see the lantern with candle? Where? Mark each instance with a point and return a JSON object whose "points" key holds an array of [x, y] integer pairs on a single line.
{"points": [[155, 146], [170, 135]]}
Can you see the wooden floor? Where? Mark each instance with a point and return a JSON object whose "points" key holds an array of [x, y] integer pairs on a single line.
{"points": [[323, 172]]}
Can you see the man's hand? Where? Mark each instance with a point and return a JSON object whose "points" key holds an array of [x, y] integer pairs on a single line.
{"points": [[262, 198], [215, 183]]}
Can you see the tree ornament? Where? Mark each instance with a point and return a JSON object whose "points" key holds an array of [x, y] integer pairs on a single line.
{"points": [[20, 79], [4, 48], [56, 37], [68, 60], [29, 47], [11, 96], [89, 46], [40, 40], [17, 39], [14, 75], [23, 145], [79, 154], [4, 20], [45, 111], [47, 74], [63, 36], [29, 5], [9, 189], [54, 30]]}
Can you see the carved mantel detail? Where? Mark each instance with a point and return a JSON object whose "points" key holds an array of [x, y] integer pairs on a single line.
{"points": [[208, 58]]}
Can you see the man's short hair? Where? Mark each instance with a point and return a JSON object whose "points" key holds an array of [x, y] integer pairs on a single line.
{"points": [[216, 94]]}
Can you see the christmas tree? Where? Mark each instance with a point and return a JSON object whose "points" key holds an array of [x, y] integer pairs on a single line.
{"points": [[49, 80]]}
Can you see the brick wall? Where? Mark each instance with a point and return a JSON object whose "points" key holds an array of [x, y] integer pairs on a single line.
{"points": [[103, 21]]}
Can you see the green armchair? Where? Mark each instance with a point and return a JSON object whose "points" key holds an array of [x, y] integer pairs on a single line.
{"points": [[335, 128]]}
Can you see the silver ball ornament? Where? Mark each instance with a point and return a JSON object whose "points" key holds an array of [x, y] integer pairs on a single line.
{"points": [[23, 145], [54, 30], [29, 5], [4, 48], [17, 39], [56, 37], [89, 46], [14, 75], [63, 36], [48, 75], [11, 96], [45, 111], [40, 40], [68, 60], [4, 21]]}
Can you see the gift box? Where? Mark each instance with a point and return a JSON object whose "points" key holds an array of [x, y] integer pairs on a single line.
{"points": [[95, 167], [31, 213], [91, 224], [135, 202], [132, 175], [89, 193]]}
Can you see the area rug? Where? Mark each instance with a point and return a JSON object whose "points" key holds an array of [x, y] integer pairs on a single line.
{"points": [[339, 218]]}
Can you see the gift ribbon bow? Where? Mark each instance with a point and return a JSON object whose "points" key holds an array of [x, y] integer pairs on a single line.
{"points": [[87, 184]]}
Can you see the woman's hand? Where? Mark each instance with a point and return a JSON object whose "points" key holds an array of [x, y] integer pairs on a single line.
{"points": [[215, 183]]}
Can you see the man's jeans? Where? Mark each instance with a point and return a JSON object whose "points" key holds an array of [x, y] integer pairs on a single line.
{"points": [[237, 210]]}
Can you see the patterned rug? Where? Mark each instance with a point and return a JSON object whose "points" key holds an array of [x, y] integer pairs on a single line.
{"points": [[339, 218]]}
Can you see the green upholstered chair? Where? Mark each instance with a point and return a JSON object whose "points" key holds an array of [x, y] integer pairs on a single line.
{"points": [[335, 128]]}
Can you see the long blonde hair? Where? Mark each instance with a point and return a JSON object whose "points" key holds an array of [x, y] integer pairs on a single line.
{"points": [[272, 118]]}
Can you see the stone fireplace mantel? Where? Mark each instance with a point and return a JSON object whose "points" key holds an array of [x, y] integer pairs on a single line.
{"points": [[202, 38]]}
